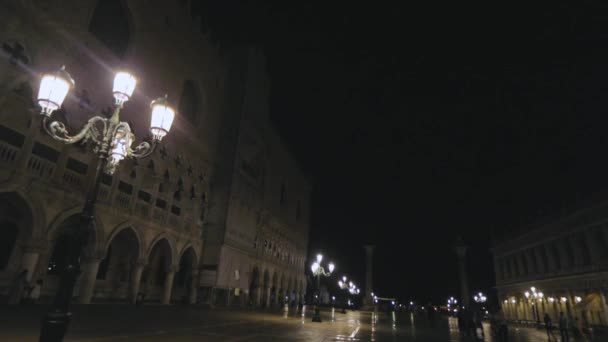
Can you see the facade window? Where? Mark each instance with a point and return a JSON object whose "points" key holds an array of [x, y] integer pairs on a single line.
{"points": [[189, 101], [282, 195], [110, 24], [556, 256]]}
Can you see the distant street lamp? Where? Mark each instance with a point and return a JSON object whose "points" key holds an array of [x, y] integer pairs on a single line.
{"points": [[452, 302], [112, 140], [480, 298], [350, 287], [318, 271]]}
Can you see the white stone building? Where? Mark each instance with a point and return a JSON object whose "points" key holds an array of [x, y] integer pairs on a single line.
{"points": [[152, 215]]}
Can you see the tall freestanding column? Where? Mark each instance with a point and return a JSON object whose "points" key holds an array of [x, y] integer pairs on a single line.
{"points": [[461, 250], [369, 279]]}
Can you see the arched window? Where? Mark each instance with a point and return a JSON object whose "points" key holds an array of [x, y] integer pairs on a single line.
{"points": [[189, 101], [524, 264], [8, 238], [298, 211], [556, 256], [110, 24], [582, 244], [599, 236], [568, 252]]}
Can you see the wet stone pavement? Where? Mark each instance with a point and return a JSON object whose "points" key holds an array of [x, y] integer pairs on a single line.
{"points": [[105, 323]]}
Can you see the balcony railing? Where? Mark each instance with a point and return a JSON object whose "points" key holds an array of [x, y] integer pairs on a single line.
{"points": [[73, 179], [46, 162], [40, 168], [8, 153]]}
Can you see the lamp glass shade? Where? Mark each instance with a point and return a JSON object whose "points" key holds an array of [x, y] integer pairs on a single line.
{"points": [[314, 267], [319, 258], [124, 85], [121, 145], [53, 90], [331, 267], [162, 118]]}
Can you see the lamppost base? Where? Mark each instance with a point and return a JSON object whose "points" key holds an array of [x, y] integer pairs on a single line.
{"points": [[54, 326], [316, 317]]}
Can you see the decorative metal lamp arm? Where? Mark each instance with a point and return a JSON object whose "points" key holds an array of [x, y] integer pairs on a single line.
{"points": [[144, 149], [57, 130]]}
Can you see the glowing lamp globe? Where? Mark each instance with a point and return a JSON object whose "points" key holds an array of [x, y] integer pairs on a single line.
{"points": [[124, 85], [162, 118], [54, 87], [331, 267], [319, 258], [314, 267]]}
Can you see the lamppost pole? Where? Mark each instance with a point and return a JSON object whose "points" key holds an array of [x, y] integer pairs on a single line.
{"points": [[318, 271], [112, 139]]}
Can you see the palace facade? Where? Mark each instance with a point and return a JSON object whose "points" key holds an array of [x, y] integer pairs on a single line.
{"points": [[220, 207], [557, 267]]}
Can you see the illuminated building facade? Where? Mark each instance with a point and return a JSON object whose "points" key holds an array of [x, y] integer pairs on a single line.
{"points": [[185, 218], [557, 267]]}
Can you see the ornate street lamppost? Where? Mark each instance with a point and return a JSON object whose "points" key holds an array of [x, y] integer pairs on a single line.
{"points": [[112, 140], [533, 296], [350, 287], [318, 271]]}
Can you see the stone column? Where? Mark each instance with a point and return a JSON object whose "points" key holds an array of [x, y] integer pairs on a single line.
{"points": [[90, 266], [461, 251], [31, 255], [193, 295], [267, 299], [604, 313], [166, 299], [136, 280], [369, 275]]}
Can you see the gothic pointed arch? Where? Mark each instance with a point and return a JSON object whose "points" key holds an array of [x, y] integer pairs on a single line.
{"points": [[16, 224]]}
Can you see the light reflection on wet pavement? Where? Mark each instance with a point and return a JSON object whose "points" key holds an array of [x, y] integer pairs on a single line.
{"points": [[178, 323]]}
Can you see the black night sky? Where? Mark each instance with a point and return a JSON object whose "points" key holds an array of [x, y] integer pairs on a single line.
{"points": [[432, 120]]}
